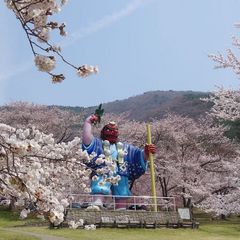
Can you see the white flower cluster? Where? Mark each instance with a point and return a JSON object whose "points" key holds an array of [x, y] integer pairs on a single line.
{"points": [[37, 12], [24, 213], [45, 63], [74, 225], [90, 227], [222, 204], [85, 70], [109, 169]]}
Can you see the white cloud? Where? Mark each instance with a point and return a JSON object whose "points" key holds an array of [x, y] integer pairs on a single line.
{"points": [[105, 21]]}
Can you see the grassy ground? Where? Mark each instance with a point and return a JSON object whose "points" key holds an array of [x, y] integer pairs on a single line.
{"points": [[9, 219], [210, 230], [206, 232], [7, 235]]}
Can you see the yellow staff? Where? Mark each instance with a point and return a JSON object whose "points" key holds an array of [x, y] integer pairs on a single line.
{"points": [[152, 171]]}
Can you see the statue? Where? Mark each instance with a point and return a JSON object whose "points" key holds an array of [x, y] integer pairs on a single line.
{"points": [[129, 162]]}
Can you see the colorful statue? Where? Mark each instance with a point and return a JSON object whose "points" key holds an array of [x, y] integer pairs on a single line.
{"points": [[130, 162]]}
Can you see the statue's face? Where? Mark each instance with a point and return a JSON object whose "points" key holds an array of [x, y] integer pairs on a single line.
{"points": [[110, 132]]}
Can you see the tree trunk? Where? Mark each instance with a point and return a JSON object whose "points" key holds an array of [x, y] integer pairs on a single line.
{"points": [[163, 186], [223, 217], [12, 206]]}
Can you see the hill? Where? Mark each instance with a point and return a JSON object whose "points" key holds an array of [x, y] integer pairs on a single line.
{"points": [[155, 104]]}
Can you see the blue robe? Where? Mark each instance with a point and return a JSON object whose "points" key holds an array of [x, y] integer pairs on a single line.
{"points": [[134, 162]]}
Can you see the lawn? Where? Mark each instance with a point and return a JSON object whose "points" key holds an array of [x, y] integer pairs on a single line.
{"points": [[9, 220], [206, 232], [215, 230], [7, 235]]}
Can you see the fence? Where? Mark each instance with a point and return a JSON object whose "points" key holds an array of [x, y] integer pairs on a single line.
{"points": [[133, 202]]}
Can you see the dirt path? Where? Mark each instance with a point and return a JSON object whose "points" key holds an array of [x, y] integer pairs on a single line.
{"points": [[38, 235]]}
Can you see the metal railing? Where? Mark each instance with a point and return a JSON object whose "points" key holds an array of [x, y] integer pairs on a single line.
{"points": [[146, 203]]}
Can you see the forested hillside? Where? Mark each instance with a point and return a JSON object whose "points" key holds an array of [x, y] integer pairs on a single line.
{"points": [[155, 104]]}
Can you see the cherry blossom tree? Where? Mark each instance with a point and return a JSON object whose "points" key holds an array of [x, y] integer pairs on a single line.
{"points": [[226, 109], [226, 102], [63, 124], [33, 16], [196, 160], [37, 172]]}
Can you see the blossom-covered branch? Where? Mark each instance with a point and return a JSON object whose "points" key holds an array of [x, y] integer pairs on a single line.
{"points": [[231, 60], [226, 104], [34, 18]]}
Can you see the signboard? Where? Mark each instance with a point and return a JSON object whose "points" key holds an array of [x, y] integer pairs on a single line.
{"points": [[184, 213]]}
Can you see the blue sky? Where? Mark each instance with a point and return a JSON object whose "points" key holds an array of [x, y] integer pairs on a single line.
{"points": [[139, 46]]}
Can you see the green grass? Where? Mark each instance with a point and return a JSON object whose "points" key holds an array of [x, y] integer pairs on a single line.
{"points": [[212, 230], [7, 235], [10, 219], [206, 232]]}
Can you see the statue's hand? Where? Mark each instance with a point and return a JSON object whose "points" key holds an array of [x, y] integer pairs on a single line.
{"points": [[94, 119], [149, 148]]}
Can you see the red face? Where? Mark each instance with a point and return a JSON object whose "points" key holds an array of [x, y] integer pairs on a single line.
{"points": [[110, 132]]}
